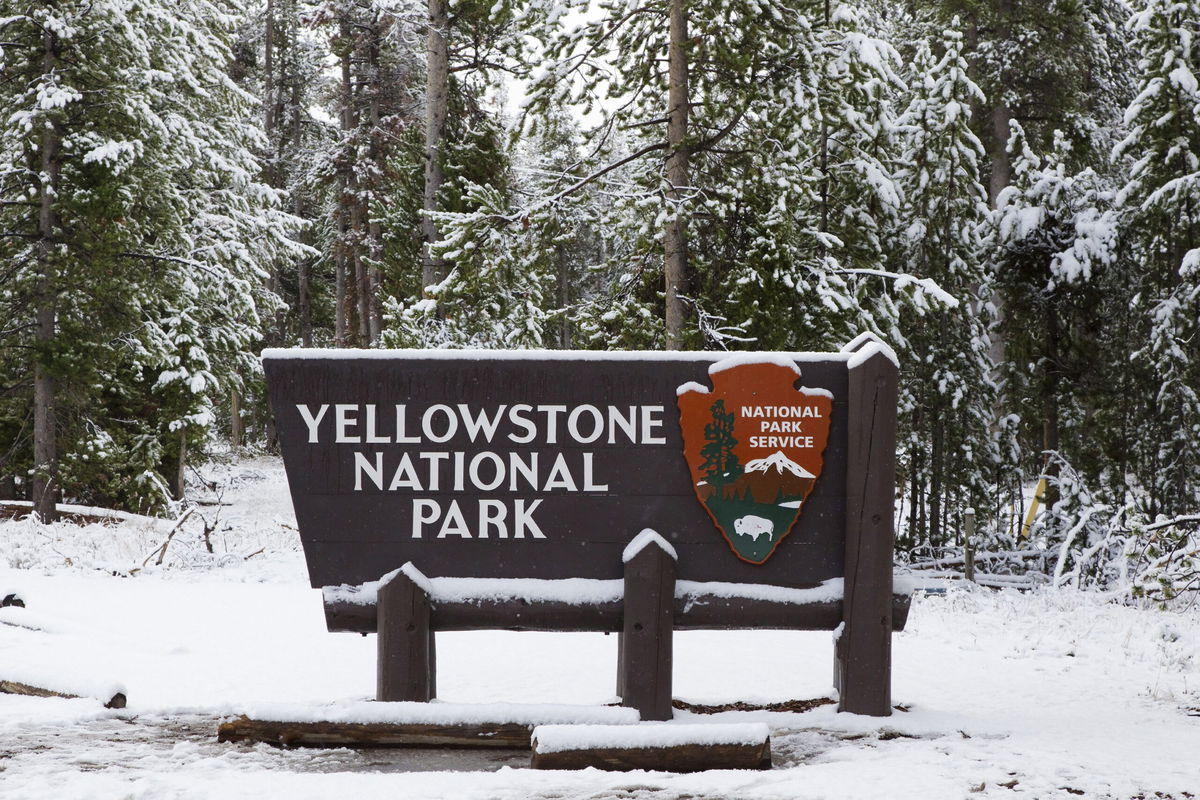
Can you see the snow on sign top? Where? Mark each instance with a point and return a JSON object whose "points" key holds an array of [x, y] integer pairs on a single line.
{"points": [[275, 353]]}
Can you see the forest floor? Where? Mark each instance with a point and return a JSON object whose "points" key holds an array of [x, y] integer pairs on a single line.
{"points": [[1000, 694]]}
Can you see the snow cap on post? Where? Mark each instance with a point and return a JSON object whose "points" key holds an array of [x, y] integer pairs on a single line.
{"points": [[865, 345], [640, 542]]}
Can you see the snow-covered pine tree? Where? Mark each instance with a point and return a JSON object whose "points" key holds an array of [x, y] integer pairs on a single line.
{"points": [[948, 456], [1161, 199], [1054, 245], [140, 236]]}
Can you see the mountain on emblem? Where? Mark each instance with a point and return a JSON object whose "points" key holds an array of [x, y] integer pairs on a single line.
{"points": [[754, 445]]}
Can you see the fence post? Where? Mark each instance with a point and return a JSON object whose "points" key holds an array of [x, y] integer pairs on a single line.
{"points": [[406, 659], [644, 649], [864, 648], [969, 544]]}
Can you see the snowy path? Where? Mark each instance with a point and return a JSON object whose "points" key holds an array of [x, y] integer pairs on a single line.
{"points": [[1007, 695]]}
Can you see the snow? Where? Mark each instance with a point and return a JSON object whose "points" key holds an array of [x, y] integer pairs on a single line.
{"points": [[1054, 692], [642, 540], [827, 592], [861, 356], [780, 463], [574, 591], [332, 354], [438, 713], [562, 738], [743, 359]]}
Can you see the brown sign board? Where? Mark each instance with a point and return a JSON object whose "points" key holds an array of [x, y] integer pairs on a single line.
{"points": [[758, 476], [545, 465]]}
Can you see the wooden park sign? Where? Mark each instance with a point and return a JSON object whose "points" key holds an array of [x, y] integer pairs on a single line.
{"points": [[509, 486]]}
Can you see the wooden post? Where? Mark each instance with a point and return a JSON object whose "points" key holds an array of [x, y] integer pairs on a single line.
{"points": [[969, 544], [644, 650], [864, 648], [406, 660]]}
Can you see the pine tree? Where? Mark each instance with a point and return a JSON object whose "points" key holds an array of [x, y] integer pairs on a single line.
{"points": [[1161, 199], [948, 457], [720, 465], [141, 236]]}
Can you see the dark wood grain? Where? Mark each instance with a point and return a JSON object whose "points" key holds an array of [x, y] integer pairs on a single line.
{"points": [[864, 649], [683, 758], [644, 661], [407, 662], [358, 734], [698, 612]]}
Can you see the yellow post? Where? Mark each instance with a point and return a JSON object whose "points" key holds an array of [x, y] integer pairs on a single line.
{"points": [[1038, 494]]}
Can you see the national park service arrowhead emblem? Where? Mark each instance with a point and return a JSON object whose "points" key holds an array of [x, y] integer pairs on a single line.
{"points": [[754, 444]]}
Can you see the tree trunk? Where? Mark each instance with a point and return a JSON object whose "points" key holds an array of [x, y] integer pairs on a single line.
{"points": [[344, 305], [45, 483], [935, 479], [235, 419], [1001, 175], [181, 474], [678, 180], [437, 96], [374, 229], [269, 71], [564, 297], [303, 264]]}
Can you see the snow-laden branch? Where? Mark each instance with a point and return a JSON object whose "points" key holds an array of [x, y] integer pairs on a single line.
{"points": [[927, 285]]}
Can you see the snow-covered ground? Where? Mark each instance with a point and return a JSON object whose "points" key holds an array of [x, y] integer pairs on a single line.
{"points": [[1001, 694]]}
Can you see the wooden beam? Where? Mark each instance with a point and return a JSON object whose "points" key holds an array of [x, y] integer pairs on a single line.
{"points": [[669, 748], [117, 700], [863, 653], [407, 662], [377, 734], [695, 612], [646, 636]]}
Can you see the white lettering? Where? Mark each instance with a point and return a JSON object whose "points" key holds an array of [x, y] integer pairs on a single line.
{"points": [[492, 512], [374, 472], [311, 421], [401, 425], [560, 476], [497, 471], [371, 438], [344, 421], [649, 423], [432, 460], [406, 476], [454, 524], [627, 425], [458, 470], [588, 484], [516, 415], [475, 424], [427, 423], [552, 413], [524, 520], [424, 511], [597, 424], [528, 471]]}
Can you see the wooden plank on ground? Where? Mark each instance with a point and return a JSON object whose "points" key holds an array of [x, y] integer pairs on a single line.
{"points": [[117, 700], [664, 748], [375, 734]]}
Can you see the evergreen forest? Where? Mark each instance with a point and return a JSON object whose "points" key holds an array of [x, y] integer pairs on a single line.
{"points": [[1005, 191]]}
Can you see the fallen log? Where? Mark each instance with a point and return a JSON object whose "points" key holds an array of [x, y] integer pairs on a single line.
{"points": [[116, 700], [665, 748], [375, 734]]}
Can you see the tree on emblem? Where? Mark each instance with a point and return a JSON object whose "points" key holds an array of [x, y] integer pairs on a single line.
{"points": [[721, 465]]}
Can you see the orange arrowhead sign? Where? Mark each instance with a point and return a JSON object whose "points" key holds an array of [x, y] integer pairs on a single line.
{"points": [[754, 444]]}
